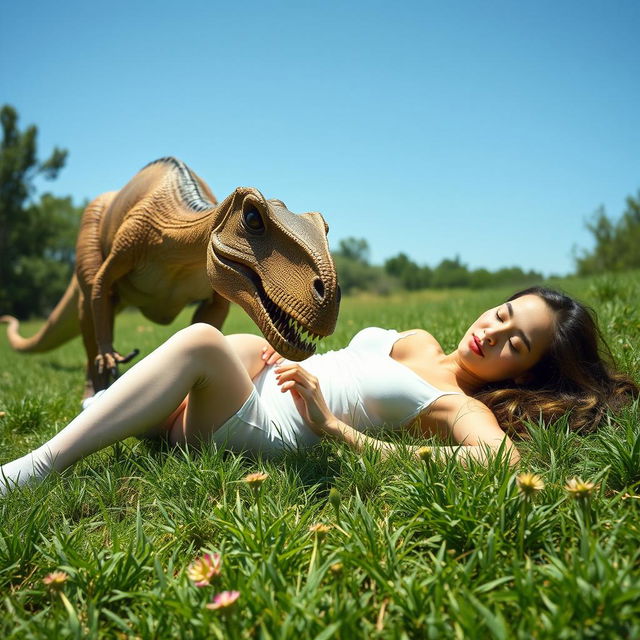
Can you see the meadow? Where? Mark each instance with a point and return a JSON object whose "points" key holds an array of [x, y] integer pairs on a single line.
{"points": [[332, 544]]}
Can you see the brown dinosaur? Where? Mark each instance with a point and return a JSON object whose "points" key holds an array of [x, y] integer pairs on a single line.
{"points": [[163, 241]]}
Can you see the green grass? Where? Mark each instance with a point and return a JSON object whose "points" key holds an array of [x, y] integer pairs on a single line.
{"points": [[415, 550]]}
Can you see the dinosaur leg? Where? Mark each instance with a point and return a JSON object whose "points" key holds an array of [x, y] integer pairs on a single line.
{"points": [[118, 263], [89, 259], [93, 381], [213, 311]]}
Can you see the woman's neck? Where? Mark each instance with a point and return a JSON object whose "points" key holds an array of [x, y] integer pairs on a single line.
{"points": [[466, 380]]}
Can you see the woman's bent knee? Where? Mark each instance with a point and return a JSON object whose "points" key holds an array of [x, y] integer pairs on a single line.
{"points": [[206, 344], [200, 336]]}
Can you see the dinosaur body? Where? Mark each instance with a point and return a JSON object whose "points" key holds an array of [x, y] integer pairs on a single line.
{"points": [[163, 241]]}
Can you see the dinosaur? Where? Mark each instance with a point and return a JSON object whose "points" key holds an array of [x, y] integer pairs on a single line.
{"points": [[163, 241]]}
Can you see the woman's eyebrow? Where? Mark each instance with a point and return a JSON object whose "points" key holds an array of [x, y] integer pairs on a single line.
{"points": [[519, 331]]}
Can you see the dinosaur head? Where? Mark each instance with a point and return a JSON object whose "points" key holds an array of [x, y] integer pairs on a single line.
{"points": [[276, 265]]}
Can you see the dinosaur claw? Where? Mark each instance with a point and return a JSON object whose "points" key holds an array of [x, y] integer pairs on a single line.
{"points": [[129, 356]]}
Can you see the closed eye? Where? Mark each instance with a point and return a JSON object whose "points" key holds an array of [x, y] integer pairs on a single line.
{"points": [[511, 345]]}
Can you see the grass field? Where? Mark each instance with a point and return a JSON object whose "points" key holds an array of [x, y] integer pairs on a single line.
{"points": [[412, 550]]}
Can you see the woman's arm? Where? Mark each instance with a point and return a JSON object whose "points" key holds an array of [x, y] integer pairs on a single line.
{"points": [[471, 423], [359, 441]]}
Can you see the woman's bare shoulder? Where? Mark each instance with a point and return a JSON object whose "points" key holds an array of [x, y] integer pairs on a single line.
{"points": [[415, 340], [423, 333]]}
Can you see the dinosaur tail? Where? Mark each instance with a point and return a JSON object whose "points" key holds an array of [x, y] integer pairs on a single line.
{"points": [[62, 325]]}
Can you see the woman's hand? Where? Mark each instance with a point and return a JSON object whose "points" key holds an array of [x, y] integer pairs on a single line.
{"points": [[270, 355], [307, 396]]}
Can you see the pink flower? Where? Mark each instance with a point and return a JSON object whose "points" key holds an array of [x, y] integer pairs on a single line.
{"points": [[55, 579], [203, 569], [223, 600]]}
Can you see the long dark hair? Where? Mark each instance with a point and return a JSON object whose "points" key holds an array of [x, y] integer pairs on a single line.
{"points": [[576, 376]]}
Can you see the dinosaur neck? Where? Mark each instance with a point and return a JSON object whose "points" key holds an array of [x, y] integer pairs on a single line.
{"points": [[200, 231]]}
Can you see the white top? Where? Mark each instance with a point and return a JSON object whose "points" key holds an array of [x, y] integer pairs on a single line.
{"points": [[362, 384]]}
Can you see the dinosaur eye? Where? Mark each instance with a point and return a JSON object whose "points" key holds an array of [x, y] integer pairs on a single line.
{"points": [[253, 221]]}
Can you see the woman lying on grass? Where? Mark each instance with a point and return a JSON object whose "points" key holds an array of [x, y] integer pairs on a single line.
{"points": [[536, 355]]}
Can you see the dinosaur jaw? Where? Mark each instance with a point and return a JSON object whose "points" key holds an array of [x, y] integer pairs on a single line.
{"points": [[288, 335]]}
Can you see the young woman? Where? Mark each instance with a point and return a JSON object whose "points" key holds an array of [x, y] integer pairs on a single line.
{"points": [[539, 354]]}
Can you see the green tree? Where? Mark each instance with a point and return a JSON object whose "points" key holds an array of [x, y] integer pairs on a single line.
{"points": [[354, 249], [616, 242], [411, 275], [451, 273], [36, 238], [354, 271]]}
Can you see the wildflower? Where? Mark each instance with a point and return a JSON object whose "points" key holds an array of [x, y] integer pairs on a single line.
{"points": [[202, 570], [579, 489], [529, 484], [319, 530], [255, 480], [55, 579], [425, 453], [336, 568], [223, 600]]}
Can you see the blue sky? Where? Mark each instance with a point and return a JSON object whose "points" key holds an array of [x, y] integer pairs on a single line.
{"points": [[491, 130]]}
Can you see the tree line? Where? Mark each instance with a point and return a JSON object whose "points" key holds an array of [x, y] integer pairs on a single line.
{"points": [[400, 272], [38, 233]]}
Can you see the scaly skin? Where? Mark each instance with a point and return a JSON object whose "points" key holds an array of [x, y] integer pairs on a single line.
{"points": [[163, 241]]}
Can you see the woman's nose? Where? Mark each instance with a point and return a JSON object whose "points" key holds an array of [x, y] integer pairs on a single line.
{"points": [[491, 335]]}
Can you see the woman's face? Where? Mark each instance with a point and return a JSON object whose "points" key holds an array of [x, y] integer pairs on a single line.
{"points": [[506, 341]]}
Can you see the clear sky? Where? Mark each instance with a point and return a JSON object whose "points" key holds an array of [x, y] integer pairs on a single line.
{"points": [[491, 130]]}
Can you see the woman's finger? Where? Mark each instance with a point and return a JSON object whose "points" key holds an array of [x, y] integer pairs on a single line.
{"points": [[270, 355], [287, 385], [300, 375], [287, 381], [292, 367]]}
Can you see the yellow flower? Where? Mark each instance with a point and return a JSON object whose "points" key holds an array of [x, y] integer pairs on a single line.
{"points": [[55, 579], [223, 600], [580, 489], [320, 530], [336, 568], [529, 484], [203, 569], [425, 453], [255, 480]]}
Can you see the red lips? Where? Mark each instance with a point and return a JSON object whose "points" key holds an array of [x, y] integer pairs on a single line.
{"points": [[474, 344]]}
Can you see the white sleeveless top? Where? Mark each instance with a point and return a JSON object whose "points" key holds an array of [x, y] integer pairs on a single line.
{"points": [[362, 384]]}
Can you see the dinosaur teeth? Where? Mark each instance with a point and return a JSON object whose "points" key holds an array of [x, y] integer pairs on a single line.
{"points": [[288, 327]]}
